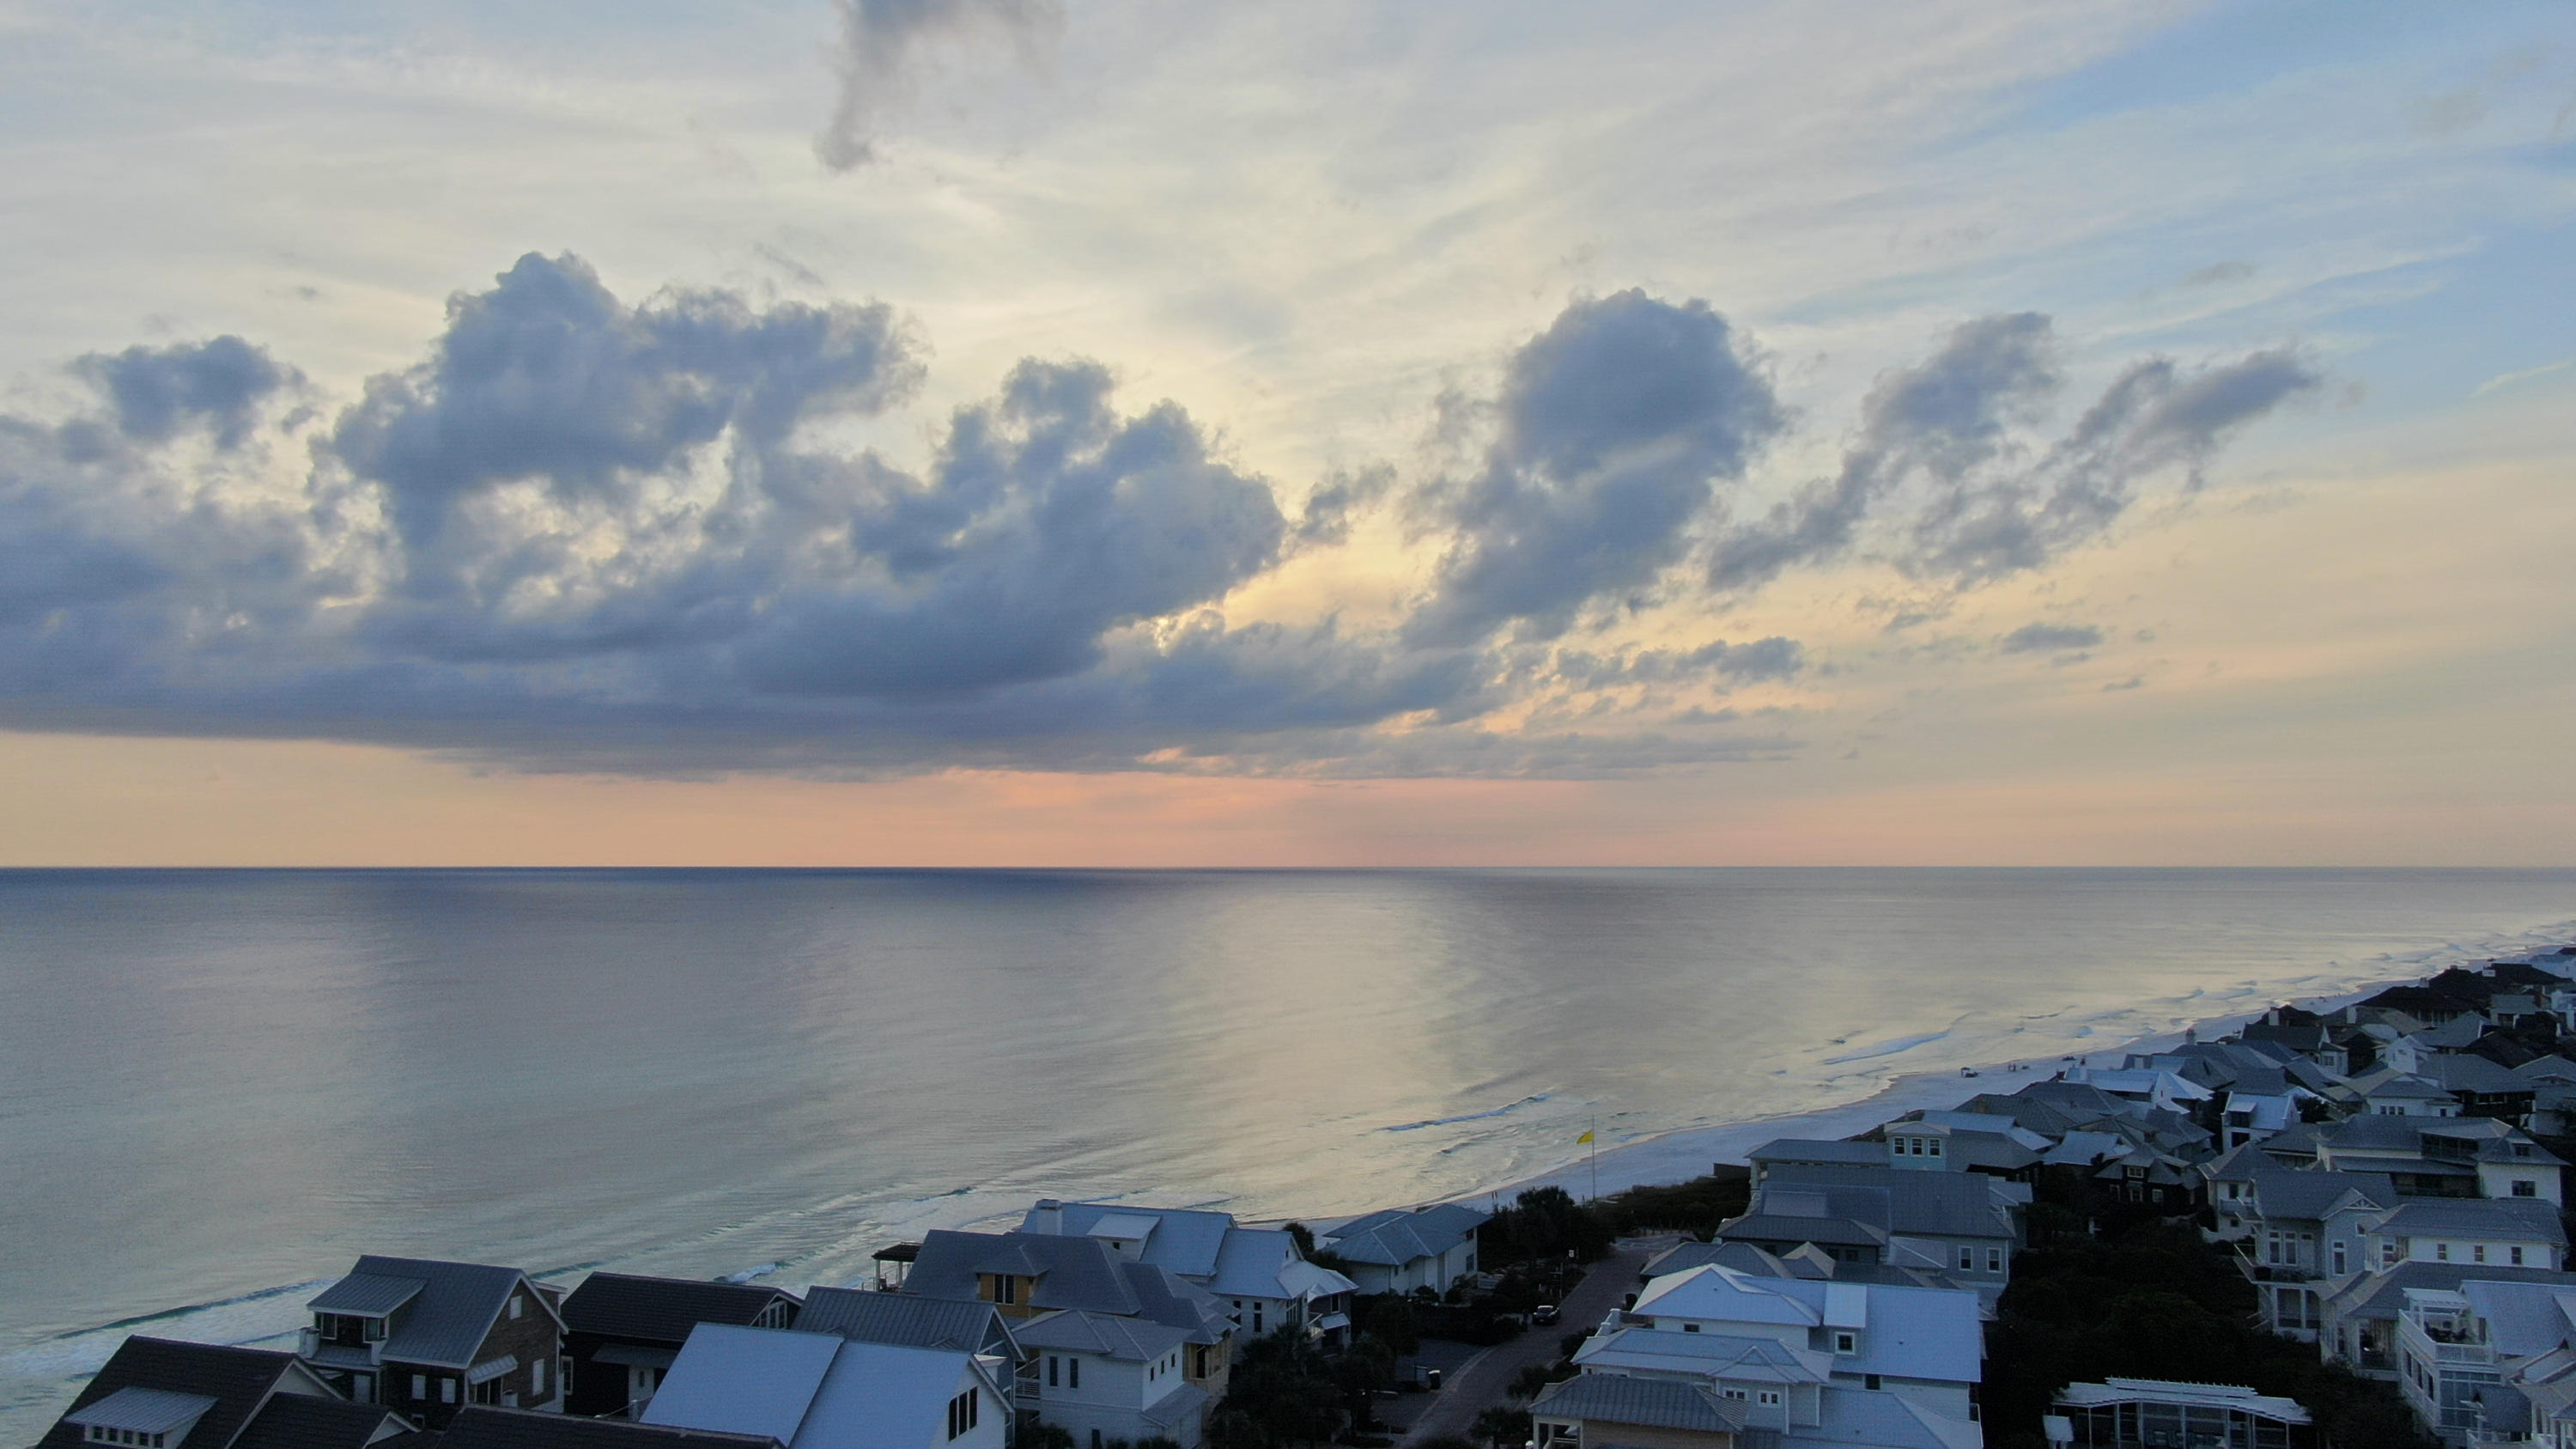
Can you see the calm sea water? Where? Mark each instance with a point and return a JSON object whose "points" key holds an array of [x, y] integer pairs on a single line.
{"points": [[219, 1087]]}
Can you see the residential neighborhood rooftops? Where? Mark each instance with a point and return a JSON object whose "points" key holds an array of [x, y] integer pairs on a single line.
{"points": [[228, 1385], [1066, 1272], [808, 1390], [1130, 1339], [1396, 1237], [299, 1421]]}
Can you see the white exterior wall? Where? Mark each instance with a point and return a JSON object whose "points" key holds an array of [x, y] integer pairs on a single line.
{"points": [[992, 1417], [2489, 1252], [1112, 1400], [2496, 1179]]}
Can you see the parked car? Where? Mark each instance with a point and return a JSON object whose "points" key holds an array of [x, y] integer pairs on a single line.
{"points": [[1544, 1313]]}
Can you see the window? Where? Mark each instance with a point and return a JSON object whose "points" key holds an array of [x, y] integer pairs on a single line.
{"points": [[1051, 1368], [1006, 1288], [2525, 1187], [1073, 1373], [536, 1378], [1932, 1145], [961, 1413], [1846, 1343], [1994, 1260], [1690, 1328], [2442, 1252], [2478, 1253], [447, 1391], [2339, 1255], [1967, 1259], [516, 1304], [2517, 1256], [488, 1392], [1869, 1382], [420, 1387], [1256, 1315], [1769, 1396]]}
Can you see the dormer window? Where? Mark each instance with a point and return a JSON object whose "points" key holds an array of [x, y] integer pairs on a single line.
{"points": [[130, 1438], [1846, 1342]]}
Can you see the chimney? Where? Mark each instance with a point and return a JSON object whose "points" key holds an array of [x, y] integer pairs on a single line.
{"points": [[1047, 1217]]}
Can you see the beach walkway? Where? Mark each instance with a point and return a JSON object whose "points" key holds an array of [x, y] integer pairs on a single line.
{"points": [[1480, 1383]]}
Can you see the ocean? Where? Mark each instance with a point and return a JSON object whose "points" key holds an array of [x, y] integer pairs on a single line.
{"points": [[217, 1088]]}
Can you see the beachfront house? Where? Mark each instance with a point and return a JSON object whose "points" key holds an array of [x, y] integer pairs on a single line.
{"points": [[2443, 1157], [1399, 1249], [1804, 1354], [822, 1391], [154, 1393], [1105, 1379], [1026, 1276], [2468, 1356], [622, 1332], [1258, 1273], [1963, 1225], [425, 1337], [2304, 1231], [2362, 1312]]}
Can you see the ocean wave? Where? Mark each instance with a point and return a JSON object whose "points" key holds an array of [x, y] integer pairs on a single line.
{"points": [[1468, 1116], [1887, 1048]]}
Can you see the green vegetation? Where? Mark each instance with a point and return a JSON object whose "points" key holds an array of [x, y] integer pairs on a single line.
{"points": [[2145, 1298]]}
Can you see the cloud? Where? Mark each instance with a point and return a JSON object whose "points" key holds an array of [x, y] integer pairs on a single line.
{"points": [[1942, 418], [2155, 418], [1775, 658], [2042, 638], [1614, 428], [2217, 272], [885, 42], [155, 392]]}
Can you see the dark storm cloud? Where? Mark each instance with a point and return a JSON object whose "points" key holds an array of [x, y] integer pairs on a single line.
{"points": [[2046, 638], [1615, 426], [884, 43]]}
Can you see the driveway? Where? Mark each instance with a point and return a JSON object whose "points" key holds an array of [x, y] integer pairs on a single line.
{"points": [[1480, 1382]]}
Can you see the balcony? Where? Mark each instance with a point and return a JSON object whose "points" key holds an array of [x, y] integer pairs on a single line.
{"points": [[2274, 1272], [2445, 1343], [336, 1352]]}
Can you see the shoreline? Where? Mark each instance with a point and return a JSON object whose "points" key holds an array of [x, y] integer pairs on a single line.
{"points": [[1683, 1153]]}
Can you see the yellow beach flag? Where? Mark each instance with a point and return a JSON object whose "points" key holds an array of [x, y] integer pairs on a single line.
{"points": [[1586, 1137]]}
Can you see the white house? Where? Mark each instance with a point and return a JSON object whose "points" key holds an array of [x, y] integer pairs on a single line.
{"points": [[1399, 1250], [2504, 1232], [821, 1391], [1789, 1347], [1103, 1378], [1257, 1273]]}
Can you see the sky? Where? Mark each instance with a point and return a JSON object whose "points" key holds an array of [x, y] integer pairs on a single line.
{"points": [[1130, 433]]}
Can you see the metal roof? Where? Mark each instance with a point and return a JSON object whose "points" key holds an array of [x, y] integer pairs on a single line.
{"points": [[367, 1295], [905, 1318], [1648, 1403], [661, 1310], [237, 1379], [480, 1427], [2167, 1391], [445, 1321], [1185, 1240], [300, 1421], [1132, 1340], [757, 1381], [2528, 1219], [1070, 1273], [886, 1396], [145, 1411]]}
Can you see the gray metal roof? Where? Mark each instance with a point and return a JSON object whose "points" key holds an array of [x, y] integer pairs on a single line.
{"points": [[1649, 1403], [2383, 1294], [1395, 1237], [1939, 1204], [1069, 1272], [2283, 1194], [2529, 1219], [1184, 1240], [367, 1295], [1133, 1340], [145, 1411], [444, 1323], [1810, 1149], [903, 1318]]}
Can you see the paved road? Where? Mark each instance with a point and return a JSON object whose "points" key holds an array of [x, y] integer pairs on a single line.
{"points": [[1481, 1382]]}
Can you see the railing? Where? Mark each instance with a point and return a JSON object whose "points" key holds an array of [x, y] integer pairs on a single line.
{"points": [[311, 1344]]}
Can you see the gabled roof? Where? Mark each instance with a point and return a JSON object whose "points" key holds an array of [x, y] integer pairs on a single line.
{"points": [[2551, 1068], [1070, 1272], [2524, 1320], [905, 1318], [233, 1381], [2527, 1219], [1638, 1348], [2466, 1072], [1132, 1340], [1264, 1263], [1185, 1240], [479, 1427], [300, 1421], [1649, 1403], [1925, 1333], [1395, 1237], [1941, 1204], [2284, 1194], [661, 1310], [2383, 1294], [444, 1321], [811, 1390]]}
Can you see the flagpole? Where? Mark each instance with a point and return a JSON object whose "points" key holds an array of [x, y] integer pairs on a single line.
{"points": [[1595, 1135]]}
